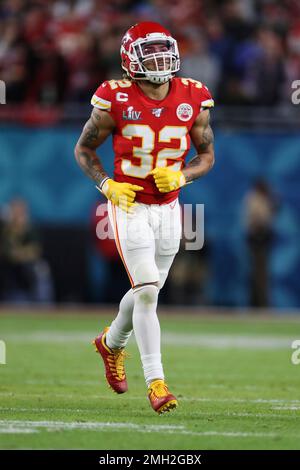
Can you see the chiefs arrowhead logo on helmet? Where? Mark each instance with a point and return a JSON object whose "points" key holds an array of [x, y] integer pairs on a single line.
{"points": [[149, 52]]}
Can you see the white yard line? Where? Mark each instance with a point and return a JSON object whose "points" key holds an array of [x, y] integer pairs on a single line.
{"points": [[223, 341], [14, 430], [17, 426], [287, 408], [245, 400], [90, 425], [36, 426], [218, 341], [230, 434]]}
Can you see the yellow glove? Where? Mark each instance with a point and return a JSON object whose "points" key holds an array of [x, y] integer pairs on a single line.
{"points": [[167, 180], [120, 194]]}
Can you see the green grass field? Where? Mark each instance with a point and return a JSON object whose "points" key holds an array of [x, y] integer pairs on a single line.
{"points": [[233, 377]]}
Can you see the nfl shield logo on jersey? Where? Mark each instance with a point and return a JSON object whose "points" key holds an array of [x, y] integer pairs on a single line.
{"points": [[184, 112], [157, 112]]}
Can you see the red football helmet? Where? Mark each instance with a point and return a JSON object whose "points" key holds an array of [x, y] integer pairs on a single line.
{"points": [[149, 52]]}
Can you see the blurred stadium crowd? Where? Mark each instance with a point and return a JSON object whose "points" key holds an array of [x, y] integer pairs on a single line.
{"points": [[57, 51]]}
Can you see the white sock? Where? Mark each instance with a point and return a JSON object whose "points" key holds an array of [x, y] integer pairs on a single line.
{"points": [[121, 328], [147, 331]]}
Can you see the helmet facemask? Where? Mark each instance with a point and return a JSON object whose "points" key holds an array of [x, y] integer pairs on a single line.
{"points": [[155, 58]]}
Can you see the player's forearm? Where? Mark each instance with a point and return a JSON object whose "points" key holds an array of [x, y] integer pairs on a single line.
{"points": [[203, 139], [199, 165], [90, 163]]}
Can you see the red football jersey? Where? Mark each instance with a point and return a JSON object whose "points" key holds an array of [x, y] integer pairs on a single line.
{"points": [[151, 133]]}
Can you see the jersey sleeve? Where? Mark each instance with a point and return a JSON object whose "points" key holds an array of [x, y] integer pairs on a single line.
{"points": [[102, 98], [206, 100], [201, 95]]}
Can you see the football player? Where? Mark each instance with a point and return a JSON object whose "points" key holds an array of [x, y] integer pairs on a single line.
{"points": [[153, 116]]}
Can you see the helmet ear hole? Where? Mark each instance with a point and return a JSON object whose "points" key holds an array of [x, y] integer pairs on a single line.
{"points": [[134, 67]]}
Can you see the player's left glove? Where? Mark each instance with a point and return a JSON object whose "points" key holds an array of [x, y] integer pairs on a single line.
{"points": [[167, 180]]}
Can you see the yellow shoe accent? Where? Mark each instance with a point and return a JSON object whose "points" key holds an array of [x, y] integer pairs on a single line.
{"points": [[160, 398], [115, 358], [114, 363], [103, 340], [167, 407]]}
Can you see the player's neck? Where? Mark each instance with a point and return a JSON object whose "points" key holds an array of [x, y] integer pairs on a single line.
{"points": [[156, 92]]}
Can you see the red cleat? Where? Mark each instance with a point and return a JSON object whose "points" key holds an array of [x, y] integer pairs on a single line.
{"points": [[161, 399], [114, 363]]}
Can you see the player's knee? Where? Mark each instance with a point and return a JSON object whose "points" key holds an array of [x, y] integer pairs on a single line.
{"points": [[146, 293], [146, 273]]}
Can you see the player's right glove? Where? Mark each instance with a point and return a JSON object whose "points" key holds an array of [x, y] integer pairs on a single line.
{"points": [[120, 194]]}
